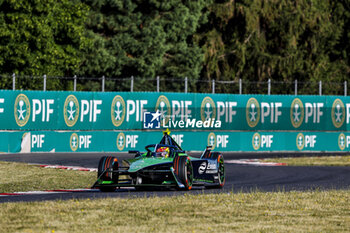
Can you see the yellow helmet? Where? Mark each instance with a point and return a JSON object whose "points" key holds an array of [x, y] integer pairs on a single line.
{"points": [[164, 151]]}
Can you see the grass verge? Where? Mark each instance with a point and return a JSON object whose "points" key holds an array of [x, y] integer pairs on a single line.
{"points": [[18, 177], [313, 161], [314, 211]]}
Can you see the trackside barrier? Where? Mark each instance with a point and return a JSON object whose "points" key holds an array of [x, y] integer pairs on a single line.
{"points": [[100, 121], [122, 141], [52, 110]]}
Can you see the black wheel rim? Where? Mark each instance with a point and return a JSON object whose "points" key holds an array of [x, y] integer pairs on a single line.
{"points": [[189, 173], [221, 171]]}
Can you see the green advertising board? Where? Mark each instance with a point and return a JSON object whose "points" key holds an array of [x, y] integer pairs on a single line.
{"points": [[38, 110], [95, 121], [123, 141]]}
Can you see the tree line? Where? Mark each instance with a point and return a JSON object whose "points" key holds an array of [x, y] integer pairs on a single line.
{"points": [[224, 40]]}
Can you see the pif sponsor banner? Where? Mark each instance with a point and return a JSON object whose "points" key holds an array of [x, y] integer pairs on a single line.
{"points": [[123, 141], [52, 110]]}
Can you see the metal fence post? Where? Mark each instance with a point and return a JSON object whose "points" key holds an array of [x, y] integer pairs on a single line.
{"points": [[103, 83], [213, 86], [13, 81], [296, 87], [44, 82], [75, 83], [132, 84], [269, 86], [186, 80], [157, 83], [345, 88], [240, 86], [320, 87]]}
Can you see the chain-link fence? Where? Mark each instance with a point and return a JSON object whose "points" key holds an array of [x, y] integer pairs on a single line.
{"points": [[162, 84]]}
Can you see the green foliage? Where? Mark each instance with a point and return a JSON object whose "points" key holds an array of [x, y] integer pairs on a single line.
{"points": [[225, 40], [41, 37], [143, 39], [280, 40]]}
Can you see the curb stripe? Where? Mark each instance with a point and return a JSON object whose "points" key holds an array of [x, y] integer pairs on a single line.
{"points": [[75, 168], [254, 162]]}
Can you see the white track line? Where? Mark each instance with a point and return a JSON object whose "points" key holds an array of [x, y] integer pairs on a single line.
{"points": [[254, 162], [47, 192], [55, 191]]}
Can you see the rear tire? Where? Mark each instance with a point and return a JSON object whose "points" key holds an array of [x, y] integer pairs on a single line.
{"points": [[184, 170], [107, 162], [221, 170]]}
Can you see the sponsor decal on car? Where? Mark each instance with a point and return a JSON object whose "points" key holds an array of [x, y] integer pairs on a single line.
{"points": [[202, 168], [211, 168]]}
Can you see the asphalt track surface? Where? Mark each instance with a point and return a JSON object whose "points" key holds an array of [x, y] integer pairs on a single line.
{"points": [[239, 178]]}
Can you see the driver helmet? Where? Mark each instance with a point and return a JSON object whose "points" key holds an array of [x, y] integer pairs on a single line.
{"points": [[164, 151]]}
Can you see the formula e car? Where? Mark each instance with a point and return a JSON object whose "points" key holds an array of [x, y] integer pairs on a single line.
{"points": [[163, 165]]}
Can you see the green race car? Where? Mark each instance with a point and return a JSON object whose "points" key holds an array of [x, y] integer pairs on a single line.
{"points": [[163, 165]]}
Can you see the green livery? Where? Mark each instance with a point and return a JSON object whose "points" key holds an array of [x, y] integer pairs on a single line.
{"points": [[163, 165]]}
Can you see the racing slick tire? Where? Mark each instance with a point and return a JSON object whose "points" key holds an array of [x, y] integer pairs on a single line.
{"points": [[221, 170], [184, 170], [107, 162]]}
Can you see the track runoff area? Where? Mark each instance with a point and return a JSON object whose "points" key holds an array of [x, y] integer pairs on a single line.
{"points": [[242, 174]]}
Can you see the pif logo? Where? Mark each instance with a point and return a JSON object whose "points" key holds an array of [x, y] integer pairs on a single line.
{"points": [[212, 140], [120, 141], [297, 113], [338, 113], [252, 112], [74, 142], [341, 141], [208, 109], [71, 110], [163, 106], [22, 110], [117, 110], [256, 142], [300, 141]]}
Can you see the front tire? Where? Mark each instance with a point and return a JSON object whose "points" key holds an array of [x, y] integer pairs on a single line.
{"points": [[184, 170], [108, 162]]}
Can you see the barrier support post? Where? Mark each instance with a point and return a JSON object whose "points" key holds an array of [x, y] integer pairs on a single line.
{"points": [[44, 82], [213, 86], [345, 88], [103, 83], [132, 84], [13, 81], [75, 83], [157, 83]]}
